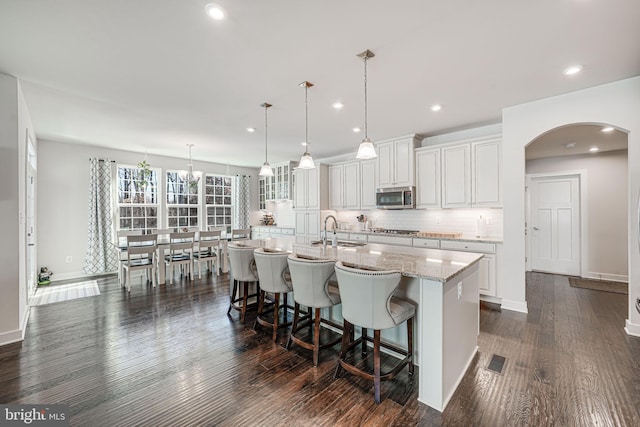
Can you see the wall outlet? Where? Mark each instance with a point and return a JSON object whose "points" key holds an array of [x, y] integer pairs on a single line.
{"points": [[437, 220], [459, 290], [68, 259]]}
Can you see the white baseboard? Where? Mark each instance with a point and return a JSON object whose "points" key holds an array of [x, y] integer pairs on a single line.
{"points": [[632, 329], [489, 298], [519, 306], [18, 334], [606, 276], [77, 275]]}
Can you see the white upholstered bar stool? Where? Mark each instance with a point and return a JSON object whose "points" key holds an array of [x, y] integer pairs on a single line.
{"points": [[368, 302], [243, 270], [273, 272], [313, 287]]}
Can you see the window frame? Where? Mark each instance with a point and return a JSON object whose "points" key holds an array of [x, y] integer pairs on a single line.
{"points": [[146, 206], [180, 213], [215, 206]]}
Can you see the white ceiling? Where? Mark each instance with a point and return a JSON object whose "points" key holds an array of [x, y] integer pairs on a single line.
{"points": [[576, 140], [154, 76]]}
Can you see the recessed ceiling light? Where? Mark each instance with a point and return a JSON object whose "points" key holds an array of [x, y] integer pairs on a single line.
{"points": [[337, 105], [607, 129], [251, 130], [304, 143], [356, 129], [574, 69], [436, 107], [570, 145], [594, 149], [215, 11]]}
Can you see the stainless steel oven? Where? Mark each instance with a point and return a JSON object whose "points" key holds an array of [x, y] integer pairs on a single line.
{"points": [[395, 198]]}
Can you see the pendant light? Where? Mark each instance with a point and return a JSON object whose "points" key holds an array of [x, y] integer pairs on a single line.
{"points": [[306, 161], [366, 149], [192, 178], [265, 170]]}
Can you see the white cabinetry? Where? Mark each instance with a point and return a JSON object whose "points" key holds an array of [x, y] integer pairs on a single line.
{"points": [[485, 169], [389, 240], [307, 226], [396, 162], [311, 188], [456, 176], [344, 186], [459, 175], [276, 187], [368, 183], [428, 188], [487, 269]]}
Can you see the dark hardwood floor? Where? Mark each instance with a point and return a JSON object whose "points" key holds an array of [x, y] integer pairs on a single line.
{"points": [[171, 356]]}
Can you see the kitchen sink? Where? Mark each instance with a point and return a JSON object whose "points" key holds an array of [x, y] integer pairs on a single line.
{"points": [[341, 243]]}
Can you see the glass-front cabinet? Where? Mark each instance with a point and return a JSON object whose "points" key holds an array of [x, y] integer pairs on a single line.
{"points": [[276, 187]]}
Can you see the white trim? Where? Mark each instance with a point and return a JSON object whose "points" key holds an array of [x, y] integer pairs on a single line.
{"points": [[18, 334], [632, 329], [607, 276], [491, 299], [584, 216], [78, 275], [519, 306]]}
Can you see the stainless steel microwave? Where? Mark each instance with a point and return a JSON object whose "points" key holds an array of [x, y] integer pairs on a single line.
{"points": [[395, 198]]}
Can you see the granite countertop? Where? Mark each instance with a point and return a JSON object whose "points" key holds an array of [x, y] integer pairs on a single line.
{"points": [[464, 237], [432, 264]]}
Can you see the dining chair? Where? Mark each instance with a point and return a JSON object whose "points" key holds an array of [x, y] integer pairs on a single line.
{"points": [[180, 252], [368, 302], [314, 287], [208, 251], [241, 234], [121, 236], [141, 253]]}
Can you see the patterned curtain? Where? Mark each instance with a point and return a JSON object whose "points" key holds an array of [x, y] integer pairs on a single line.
{"points": [[100, 258], [241, 202]]}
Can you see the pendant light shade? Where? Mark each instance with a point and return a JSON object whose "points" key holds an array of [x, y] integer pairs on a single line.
{"points": [[366, 150], [306, 161], [266, 169]]}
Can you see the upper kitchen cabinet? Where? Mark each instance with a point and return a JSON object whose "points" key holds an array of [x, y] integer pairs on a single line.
{"points": [[396, 162], [344, 186], [485, 173], [311, 188], [276, 187], [456, 176], [428, 189], [459, 175], [368, 183]]}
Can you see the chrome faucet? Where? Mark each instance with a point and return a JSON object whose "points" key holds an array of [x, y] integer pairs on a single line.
{"points": [[335, 225]]}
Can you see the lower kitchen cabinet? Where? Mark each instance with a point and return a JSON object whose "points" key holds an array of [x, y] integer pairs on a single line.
{"points": [[307, 226], [488, 264]]}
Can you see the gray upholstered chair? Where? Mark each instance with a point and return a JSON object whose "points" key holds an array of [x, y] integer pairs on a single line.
{"points": [[273, 272], [368, 302], [313, 287], [243, 270]]}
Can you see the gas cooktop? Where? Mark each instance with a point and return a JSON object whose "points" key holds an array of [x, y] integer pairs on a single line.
{"points": [[388, 231]]}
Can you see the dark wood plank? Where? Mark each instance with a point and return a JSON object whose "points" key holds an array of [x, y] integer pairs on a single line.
{"points": [[171, 356]]}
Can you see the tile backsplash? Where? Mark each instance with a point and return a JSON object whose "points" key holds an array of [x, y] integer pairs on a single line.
{"points": [[452, 220]]}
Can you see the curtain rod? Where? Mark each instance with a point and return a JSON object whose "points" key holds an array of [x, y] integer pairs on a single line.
{"points": [[104, 160]]}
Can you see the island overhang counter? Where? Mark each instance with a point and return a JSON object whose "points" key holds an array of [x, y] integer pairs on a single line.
{"points": [[444, 287]]}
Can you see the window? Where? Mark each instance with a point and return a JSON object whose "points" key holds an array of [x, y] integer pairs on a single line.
{"points": [[137, 199], [182, 201], [218, 200]]}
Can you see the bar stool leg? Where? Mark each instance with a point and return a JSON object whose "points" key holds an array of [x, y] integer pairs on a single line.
{"points": [[294, 326], [316, 338], [260, 308], [364, 342], [233, 295], [245, 288], [276, 308], [410, 344], [376, 365]]}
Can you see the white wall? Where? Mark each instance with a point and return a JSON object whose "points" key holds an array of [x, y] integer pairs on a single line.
{"points": [[606, 209], [14, 125], [63, 173], [616, 104]]}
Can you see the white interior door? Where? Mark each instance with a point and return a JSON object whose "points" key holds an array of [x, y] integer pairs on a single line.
{"points": [[555, 224], [32, 279]]}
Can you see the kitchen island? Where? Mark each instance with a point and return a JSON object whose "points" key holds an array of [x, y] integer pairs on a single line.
{"points": [[444, 287]]}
